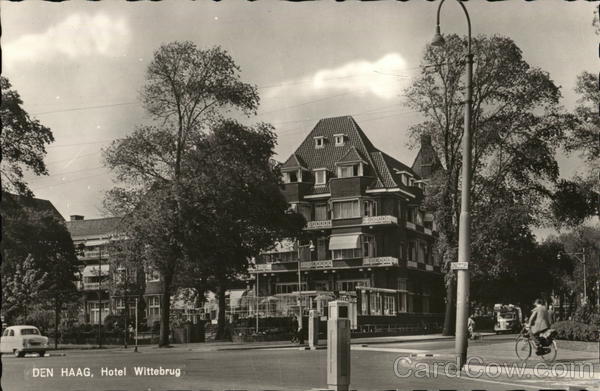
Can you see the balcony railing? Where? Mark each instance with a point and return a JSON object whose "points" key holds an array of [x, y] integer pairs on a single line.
{"points": [[319, 224], [316, 264], [94, 286], [380, 261], [379, 220], [263, 267]]}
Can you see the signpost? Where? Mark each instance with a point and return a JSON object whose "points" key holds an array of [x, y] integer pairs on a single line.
{"points": [[459, 266]]}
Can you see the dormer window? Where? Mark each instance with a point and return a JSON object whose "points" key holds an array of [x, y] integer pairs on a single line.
{"points": [[350, 170], [292, 177], [320, 176], [339, 139], [319, 142]]}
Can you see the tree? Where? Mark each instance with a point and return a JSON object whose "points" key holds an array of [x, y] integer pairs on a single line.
{"points": [[186, 91], [39, 262], [579, 198], [23, 141], [517, 126], [242, 212]]}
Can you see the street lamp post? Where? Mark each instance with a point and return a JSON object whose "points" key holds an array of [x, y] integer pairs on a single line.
{"points": [[311, 248], [464, 233], [582, 261]]}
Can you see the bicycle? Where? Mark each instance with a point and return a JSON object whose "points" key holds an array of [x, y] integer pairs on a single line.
{"points": [[525, 344]]}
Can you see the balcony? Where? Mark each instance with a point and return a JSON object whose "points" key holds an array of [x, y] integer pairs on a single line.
{"points": [[380, 220], [263, 267], [351, 186], [380, 261], [419, 228], [88, 255], [94, 286], [319, 224], [317, 264]]}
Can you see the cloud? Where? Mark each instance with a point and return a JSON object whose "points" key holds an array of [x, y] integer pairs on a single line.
{"points": [[385, 78], [77, 36]]}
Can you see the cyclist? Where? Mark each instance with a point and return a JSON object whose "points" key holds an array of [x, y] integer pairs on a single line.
{"points": [[539, 321]]}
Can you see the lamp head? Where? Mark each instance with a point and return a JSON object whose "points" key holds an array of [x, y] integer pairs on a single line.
{"points": [[438, 40]]}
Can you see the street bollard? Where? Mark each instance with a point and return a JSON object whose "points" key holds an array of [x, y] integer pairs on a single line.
{"points": [[313, 329], [338, 347]]}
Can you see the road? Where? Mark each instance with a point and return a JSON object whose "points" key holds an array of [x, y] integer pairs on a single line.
{"points": [[263, 369]]}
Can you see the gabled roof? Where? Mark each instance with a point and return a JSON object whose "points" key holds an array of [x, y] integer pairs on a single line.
{"points": [[37, 206], [426, 162], [352, 156], [293, 162], [357, 147], [93, 227]]}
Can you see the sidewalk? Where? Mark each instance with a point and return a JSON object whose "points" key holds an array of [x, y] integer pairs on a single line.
{"points": [[224, 345]]}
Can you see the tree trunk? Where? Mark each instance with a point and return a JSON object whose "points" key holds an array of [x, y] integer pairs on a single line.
{"points": [[165, 309], [56, 321], [449, 313], [221, 316]]}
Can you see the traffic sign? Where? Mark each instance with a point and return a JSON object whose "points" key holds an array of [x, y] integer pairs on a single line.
{"points": [[459, 266]]}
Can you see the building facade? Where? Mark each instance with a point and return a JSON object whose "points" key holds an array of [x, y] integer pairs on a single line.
{"points": [[369, 239]]}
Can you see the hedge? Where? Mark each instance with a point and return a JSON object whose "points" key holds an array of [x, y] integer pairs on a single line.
{"points": [[576, 331]]}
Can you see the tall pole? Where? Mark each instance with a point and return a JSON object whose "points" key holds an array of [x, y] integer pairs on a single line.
{"points": [[464, 232], [584, 279], [100, 298], [136, 325], [299, 290], [256, 296]]}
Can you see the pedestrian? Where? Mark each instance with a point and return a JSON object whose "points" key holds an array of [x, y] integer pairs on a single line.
{"points": [[471, 326]]}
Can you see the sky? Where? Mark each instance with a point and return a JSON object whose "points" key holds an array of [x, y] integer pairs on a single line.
{"points": [[79, 67]]}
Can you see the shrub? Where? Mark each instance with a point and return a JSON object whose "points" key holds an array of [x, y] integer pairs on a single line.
{"points": [[576, 331]]}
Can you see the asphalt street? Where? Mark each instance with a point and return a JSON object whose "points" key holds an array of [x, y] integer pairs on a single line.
{"points": [[259, 369]]}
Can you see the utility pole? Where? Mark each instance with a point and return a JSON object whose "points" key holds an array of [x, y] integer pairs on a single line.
{"points": [[100, 296]]}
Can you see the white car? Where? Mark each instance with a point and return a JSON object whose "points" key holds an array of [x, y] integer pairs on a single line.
{"points": [[20, 340]]}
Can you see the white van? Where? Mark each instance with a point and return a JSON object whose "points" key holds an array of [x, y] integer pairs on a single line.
{"points": [[20, 340]]}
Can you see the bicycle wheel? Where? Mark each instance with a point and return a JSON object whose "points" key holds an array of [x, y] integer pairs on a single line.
{"points": [[522, 348], [550, 357]]}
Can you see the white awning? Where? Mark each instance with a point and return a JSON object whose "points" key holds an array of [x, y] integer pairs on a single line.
{"points": [[343, 242], [100, 242], [95, 271]]}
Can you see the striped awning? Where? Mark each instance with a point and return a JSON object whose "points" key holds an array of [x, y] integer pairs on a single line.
{"points": [[343, 242]]}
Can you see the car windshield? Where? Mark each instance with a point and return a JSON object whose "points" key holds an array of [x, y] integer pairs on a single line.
{"points": [[29, 331]]}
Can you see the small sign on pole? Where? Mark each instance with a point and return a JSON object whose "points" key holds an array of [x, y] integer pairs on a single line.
{"points": [[459, 266]]}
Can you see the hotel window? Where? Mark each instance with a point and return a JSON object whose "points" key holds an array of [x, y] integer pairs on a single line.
{"points": [[364, 303], [419, 217], [369, 246], [351, 285], [402, 250], [422, 252], [370, 208], [119, 304], [288, 287], [322, 248], [152, 275], [410, 214], [346, 209], [402, 295], [153, 305], [389, 305], [348, 253], [412, 248], [375, 303], [349, 171], [320, 177], [319, 142], [425, 302], [321, 212]]}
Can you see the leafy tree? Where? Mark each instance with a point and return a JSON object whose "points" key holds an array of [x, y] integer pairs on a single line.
{"points": [[186, 91], [23, 141], [39, 262], [243, 210], [517, 126]]}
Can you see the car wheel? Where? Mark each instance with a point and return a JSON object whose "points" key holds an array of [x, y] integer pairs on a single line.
{"points": [[42, 353], [17, 353]]}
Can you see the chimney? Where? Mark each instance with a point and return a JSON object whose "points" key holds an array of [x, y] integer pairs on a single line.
{"points": [[425, 140], [76, 217]]}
